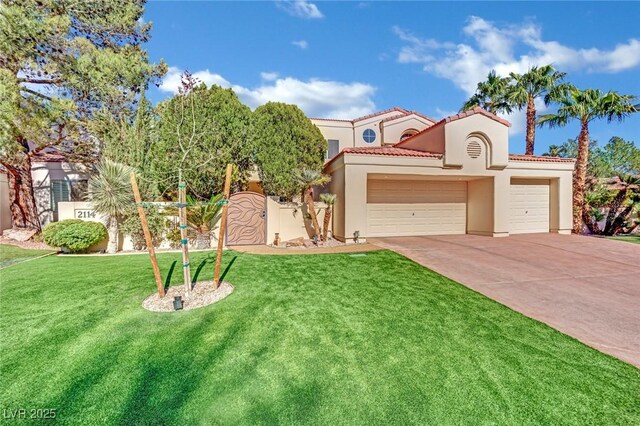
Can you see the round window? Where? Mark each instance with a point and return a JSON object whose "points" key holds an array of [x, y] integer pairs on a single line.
{"points": [[369, 136]]}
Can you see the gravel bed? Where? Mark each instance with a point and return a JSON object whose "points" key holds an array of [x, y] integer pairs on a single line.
{"points": [[202, 294]]}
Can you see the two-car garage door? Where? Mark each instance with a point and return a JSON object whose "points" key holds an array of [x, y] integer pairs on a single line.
{"points": [[415, 207]]}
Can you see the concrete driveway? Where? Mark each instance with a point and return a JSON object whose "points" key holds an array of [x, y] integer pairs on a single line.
{"points": [[586, 287]]}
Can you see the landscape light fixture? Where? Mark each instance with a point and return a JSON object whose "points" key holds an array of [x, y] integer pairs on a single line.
{"points": [[177, 303], [356, 236]]}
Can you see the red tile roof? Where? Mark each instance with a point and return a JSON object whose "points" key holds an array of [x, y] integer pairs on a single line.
{"points": [[401, 112], [386, 151], [390, 150], [468, 113], [477, 110], [540, 158], [386, 111]]}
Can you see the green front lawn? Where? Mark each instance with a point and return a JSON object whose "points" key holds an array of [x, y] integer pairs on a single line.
{"points": [[321, 339], [628, 238], [10, 255]]}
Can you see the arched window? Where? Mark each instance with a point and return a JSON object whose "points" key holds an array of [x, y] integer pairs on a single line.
{"points": [[408, 133]]}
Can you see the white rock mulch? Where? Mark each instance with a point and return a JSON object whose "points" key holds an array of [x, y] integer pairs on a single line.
{"points": [[202, 294]]}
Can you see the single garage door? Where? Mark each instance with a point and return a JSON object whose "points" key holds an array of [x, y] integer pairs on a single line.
{"points": [[529, 206], [415, 207]]}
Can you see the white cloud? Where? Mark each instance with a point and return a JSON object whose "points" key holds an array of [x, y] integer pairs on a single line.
{"points": [[317, 98], [495, 47], [269, 76], [300, 9], [302, 44], [508, 48], [171, 81]]}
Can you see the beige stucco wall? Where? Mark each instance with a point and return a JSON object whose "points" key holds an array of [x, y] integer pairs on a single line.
{"points": [[288, 220], [394, 129], [480, 206], [336, 186], [72, 209], [431, 141], [338, 130], [5, 209]]}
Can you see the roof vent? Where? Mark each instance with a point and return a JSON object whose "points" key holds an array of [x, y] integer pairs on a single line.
{"points": [[474, 149]]}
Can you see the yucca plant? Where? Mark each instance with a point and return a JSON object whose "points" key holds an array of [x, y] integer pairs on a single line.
{"points": [[329, 200], [111, 195], [307, 179]]}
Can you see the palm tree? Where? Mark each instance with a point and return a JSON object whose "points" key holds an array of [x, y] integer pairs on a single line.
{"points": [[491, 95], [111, 195], [329, 200], [201, 217], [554, 151], [307, 179], [586, 106], [626, 185], [538, 81]]}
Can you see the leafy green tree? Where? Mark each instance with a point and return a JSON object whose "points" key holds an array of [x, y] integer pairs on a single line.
{"points": [[491, 95], [285, 143], [60, 62], [128, 142], [569, 149], [585, 106], [111, 195], [617, 158], [538, 82], [199, 132]]}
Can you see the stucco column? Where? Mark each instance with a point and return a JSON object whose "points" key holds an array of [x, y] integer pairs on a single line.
{"points": [[501, 200], [355, 202], [560, 204]]}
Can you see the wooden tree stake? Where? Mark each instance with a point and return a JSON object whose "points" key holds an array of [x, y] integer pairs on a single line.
{"points": [[184, 241], [147, 234], [223, 224]]}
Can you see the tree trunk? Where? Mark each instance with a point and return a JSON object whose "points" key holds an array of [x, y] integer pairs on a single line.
{"points": [[531, 126], [614, 208], [112, 246], [580, 178], [312, 212], [24, 213], [327, 221]]}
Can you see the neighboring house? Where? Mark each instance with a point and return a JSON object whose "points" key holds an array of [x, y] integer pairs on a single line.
{"points": [[54, 180], [455, 176]]}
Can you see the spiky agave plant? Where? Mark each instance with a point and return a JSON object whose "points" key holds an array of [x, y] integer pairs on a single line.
{"points": [[111, 195]]}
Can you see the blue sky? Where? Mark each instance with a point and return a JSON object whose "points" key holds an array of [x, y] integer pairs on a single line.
{"points": [[346, 59]]}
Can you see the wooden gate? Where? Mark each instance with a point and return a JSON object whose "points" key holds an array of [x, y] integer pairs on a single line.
{"points": [[246, 219]]}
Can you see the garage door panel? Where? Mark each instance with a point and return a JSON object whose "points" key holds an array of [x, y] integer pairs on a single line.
{"points": [[529, 206], [403, 208]]}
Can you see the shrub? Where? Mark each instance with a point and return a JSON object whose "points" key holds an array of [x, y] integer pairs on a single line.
{"points": [[50, 234], [133, 228], [74, 234]]}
